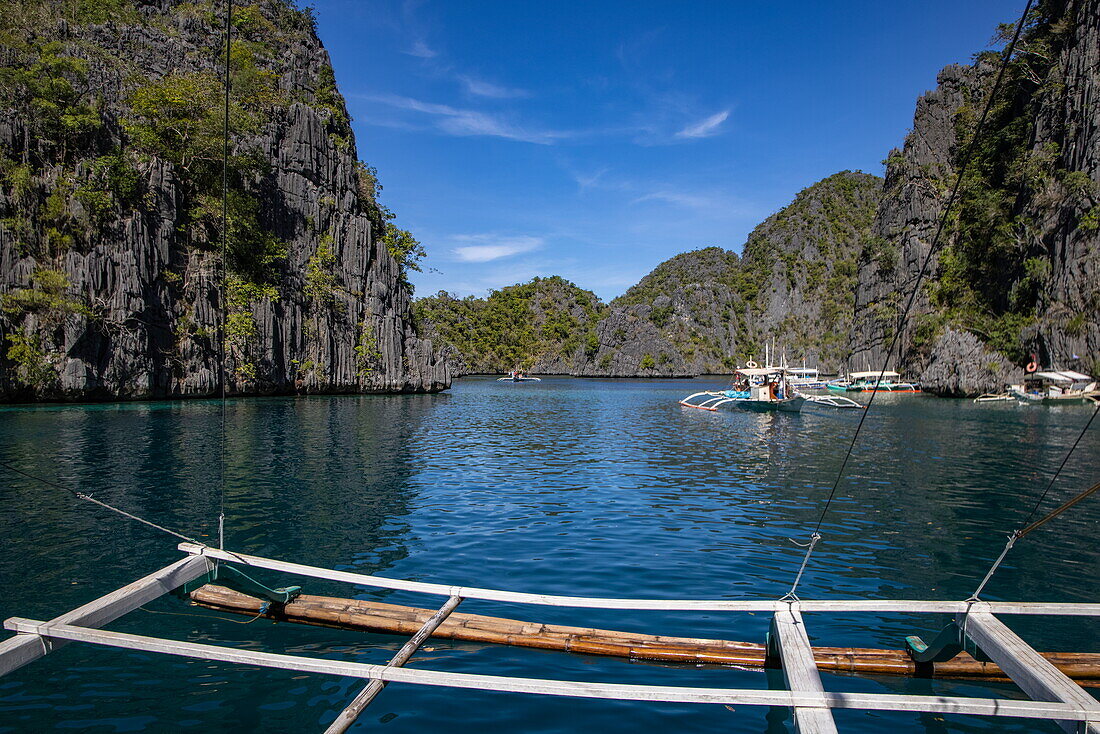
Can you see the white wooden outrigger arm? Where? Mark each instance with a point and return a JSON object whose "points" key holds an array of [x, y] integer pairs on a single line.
{"points": [[669, 605], [800, 670], [1033, 673], [576, 689], [1070, 705], [22, 649]]}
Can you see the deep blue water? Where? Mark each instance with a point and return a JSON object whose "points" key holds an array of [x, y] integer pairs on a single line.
{"points": [[582, 487]]}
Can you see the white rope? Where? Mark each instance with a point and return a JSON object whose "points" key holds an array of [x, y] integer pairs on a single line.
{"points": [[790, 595], [1008, 546]]}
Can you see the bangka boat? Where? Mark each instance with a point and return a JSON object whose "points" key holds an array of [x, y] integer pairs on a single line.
{"points": [[1056, 386], [517, 376], [754, 388], [991, 397], [975, 641], [805, 378], [865, 382]]}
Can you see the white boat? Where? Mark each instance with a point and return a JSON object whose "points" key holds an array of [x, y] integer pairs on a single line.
{"points": [[517, 376], [1056, 386], [990, 397], [889, 381], [805, 378], [754, 388]]}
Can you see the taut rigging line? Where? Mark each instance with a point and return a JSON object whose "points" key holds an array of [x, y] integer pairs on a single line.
{"points": [[1006, 56]]}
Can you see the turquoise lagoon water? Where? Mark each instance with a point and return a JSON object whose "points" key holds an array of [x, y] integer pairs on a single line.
{"points": [[582, 487]]}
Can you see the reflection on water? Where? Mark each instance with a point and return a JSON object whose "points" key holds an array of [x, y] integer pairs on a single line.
{"points": [[587, 487]]}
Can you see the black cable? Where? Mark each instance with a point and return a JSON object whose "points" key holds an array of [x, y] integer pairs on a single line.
{"points": [[931, 251], [1061, 466]]}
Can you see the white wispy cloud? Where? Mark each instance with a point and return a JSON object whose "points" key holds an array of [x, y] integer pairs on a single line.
{"points": [[485, 248], [706, 127], [482, 88], [588, 180], [680, 198], [421, 50], [466, 122]]}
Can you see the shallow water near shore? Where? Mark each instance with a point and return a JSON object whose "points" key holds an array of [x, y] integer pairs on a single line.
{"points": [[578, 487]]}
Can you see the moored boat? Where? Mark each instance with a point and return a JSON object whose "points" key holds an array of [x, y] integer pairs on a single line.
{"points": [[805, 378], [887, 381], [1056, 387], [754, 388], [518, 376]]}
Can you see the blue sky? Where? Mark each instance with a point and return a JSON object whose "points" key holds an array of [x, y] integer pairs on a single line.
{"points": [[594, 140]]}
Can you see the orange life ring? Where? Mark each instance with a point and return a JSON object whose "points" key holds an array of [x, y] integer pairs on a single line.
{"points": [[1032, 365]]}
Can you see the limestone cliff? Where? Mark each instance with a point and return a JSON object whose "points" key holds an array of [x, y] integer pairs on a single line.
{"points": [[1019, 269], [110, 211]]}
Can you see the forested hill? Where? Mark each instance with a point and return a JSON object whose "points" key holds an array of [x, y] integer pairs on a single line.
{"points": [[547, 325], [1017, 272], [110, 210], [702, 311]]}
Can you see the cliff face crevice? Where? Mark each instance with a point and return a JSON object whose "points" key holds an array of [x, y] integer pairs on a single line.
{"points": [[111, 282]]}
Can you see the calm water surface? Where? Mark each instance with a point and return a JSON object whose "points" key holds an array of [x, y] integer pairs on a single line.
{"points": [[582, 487]]}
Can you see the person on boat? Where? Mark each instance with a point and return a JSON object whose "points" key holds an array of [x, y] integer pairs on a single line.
{"points": [[772, 390]]}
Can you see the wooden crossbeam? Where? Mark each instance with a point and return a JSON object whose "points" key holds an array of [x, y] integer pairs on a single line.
{"points": [[348, 716], [1029, 670], [672, 605], [576, 689], [800, 671], [22, 649]]}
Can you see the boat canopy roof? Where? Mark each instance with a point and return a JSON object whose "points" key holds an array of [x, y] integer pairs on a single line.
{"points": [[802, 370], [1063, 376], [865, 375], [757, 371]]}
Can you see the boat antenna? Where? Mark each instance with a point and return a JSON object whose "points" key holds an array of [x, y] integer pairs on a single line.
{"points": [[1006, 56], [223, 292]]}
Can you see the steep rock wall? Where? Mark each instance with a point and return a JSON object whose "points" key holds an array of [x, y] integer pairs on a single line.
{"points": [[113, 290], [1018, 271]]}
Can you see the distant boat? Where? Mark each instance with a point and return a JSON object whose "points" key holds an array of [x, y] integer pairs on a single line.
{"points": [[991, 397], [756, 388], [517, 376], [865, 382], [1056, 386], [805, 378]]}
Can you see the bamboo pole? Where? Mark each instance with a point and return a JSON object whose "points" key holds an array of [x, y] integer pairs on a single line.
{"points": [[370, 616], [348, 716]]}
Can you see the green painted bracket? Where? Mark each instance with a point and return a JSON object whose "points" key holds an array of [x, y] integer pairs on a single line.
{"points": [[947, 644], [772, 656], [230, 577], [944, 646]]}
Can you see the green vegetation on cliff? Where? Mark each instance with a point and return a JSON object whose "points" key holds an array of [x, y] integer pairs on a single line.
{"points": [[544, 320], [105, 142], [701, 311]]}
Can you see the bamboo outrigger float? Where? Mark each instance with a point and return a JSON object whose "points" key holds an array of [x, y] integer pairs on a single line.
{"points": [[1046, 679], [378, 617]]}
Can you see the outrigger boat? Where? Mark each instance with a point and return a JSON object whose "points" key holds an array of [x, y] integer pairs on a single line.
{"points": [[865, 382], [1056, 387], [761, 389], [754, 388], [805, 378], [518, 376]]}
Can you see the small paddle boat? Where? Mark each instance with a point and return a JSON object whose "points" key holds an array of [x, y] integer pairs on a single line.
{"points": [[518, 376]]}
